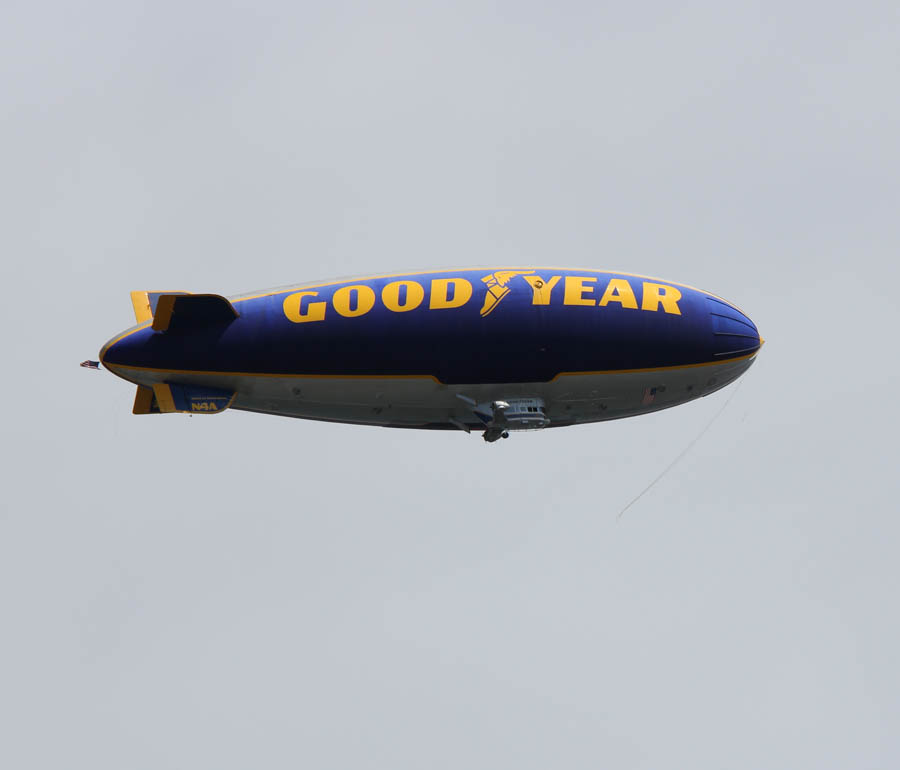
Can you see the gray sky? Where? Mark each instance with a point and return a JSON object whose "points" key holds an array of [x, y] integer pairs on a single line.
{"points": [[247, 591]]}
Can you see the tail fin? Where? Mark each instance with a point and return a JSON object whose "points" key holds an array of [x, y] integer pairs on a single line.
{"points": [[165, 398], [179, 310], [144, 401], [144, 303]]}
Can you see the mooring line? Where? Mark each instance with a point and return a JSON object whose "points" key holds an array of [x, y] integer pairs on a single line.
{"points": [[683, 451]]}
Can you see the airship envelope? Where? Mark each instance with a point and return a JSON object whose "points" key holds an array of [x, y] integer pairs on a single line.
{"points": [[490, 350]]}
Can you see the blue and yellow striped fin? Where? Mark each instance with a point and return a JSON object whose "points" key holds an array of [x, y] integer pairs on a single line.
{"points": [[145, 302]]}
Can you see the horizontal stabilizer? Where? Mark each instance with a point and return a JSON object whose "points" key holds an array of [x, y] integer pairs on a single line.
{"points": [[179, 312]]}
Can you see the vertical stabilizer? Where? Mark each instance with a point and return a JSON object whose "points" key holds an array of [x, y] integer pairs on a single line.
{"points": [[144, 303]]}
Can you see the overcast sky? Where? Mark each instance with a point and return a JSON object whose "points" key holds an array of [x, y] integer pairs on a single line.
{"points": [[249, 591]]}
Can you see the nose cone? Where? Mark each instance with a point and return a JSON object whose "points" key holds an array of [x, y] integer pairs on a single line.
{"points": [[734, 334]]}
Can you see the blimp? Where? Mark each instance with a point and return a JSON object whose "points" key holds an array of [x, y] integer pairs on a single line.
{"points": [[491, 350]]}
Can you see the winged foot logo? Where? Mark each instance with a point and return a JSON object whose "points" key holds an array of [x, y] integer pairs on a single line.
{"points": [[497, 287]]}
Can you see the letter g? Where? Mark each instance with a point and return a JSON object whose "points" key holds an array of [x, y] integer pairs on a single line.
{"points": [[293, 307]]}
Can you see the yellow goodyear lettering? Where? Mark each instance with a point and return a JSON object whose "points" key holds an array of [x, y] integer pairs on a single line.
{"points": [[390, 296], [293, 307], [576, 289], [403, 295], [656, 294], [541, 289], [440, 293], [619, 290], [353, 301]]}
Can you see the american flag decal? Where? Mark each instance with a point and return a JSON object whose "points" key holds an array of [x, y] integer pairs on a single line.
{"points": [[90, 364], [649, 395]]}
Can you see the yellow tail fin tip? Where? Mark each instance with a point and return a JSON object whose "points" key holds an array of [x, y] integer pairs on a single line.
{"points": [[140, 301]]}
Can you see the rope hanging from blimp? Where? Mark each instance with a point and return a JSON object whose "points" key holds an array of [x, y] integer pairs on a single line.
{"points": [[684, 451]]}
